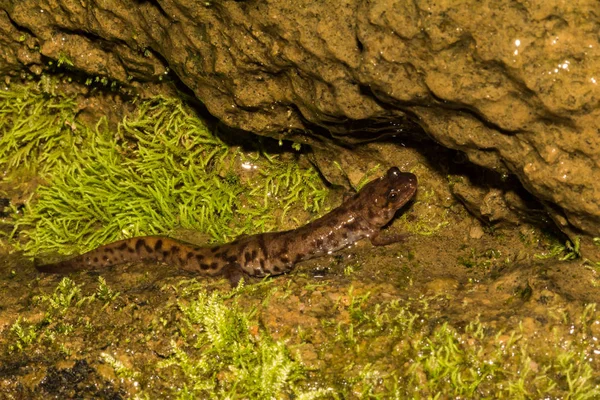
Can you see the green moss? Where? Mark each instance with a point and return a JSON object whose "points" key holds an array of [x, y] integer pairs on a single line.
{"points": [[433, 358], [67, 293], [63, 59], [59, 306], [120, 369], [23, 335], [37, 130], [162, 170], [104, 293], [568, 251], [227, 358], [485, 259]]}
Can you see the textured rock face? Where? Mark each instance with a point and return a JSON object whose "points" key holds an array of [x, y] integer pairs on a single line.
{"points": [[513, 85]]}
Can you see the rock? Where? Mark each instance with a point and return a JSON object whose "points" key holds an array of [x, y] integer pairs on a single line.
{"points": [[512, 85], [476, 232]]}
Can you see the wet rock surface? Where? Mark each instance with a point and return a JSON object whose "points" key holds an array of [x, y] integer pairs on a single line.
{"points": [[513, 86]]}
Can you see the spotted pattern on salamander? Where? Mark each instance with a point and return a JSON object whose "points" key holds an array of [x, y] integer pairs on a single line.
{"points": [[273, 253]]}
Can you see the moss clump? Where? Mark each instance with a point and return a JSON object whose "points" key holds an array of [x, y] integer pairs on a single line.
{"points": [[37, 129], [226, 354], [162, 170]]}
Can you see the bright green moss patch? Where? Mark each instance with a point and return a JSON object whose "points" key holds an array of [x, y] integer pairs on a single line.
{"points": [[37, 129], [23, 334], [162, 170], [227, 355]]}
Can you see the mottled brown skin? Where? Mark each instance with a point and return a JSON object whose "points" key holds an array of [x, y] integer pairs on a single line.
{"points": [[273, 253]]}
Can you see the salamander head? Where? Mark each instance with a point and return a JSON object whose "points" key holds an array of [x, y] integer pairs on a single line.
{"points": [[378, 201]]}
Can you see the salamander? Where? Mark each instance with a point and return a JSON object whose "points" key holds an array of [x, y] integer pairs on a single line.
{"points": [[272, 253]]}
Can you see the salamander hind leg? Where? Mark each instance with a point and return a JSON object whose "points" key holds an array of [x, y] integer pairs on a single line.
{"points": [[233, 274]]}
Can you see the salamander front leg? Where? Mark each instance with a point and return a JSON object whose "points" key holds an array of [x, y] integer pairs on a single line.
{"points": [[379, 239]]}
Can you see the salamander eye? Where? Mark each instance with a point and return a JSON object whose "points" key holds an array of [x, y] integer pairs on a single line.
{"points": [[392, 196]]}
